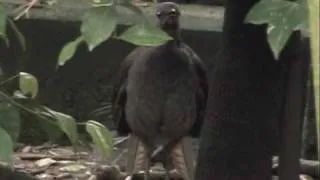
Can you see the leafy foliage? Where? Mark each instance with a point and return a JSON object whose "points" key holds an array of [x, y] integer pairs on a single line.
{"points": [[145, 34], [100, 136], [19, 35], [28, 84], [283, 17], [3, 22], [68, 125], [54, 122], [98, 24], [133, 8], [102, 2], [51, 128], [68, 51], [10, 120], [6, 150], [3, 28], [314, 30]]}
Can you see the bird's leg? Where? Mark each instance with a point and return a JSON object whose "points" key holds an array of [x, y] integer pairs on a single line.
{"points": [[136, 156], [182, 159], [147, 165], [146, 170], [167, 176], [167, 165]]}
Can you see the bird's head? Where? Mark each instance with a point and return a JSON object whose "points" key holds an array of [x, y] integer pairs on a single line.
{"points": [[168, 15]]}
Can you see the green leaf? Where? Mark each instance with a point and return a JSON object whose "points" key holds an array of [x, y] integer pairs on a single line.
{"points": [[18, 95], [97, 25], [102, 1], [46, 118], [10, 119], [277, 39], [3, 24], [314, 10], [145, 35], [101, 137], [128, 5], [52, 129], [3, 21], [68, 51], [19, 35], [97, 3], [28, 84], [68, 125], [6, 148], [283, 17]]}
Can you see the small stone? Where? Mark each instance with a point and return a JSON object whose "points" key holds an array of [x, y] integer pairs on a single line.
{"points": [[90, 163], [65, 162], [64, 152], [44, 176], [45, 162], [73, 168], [26, 149], [83, 154], [19, 166], [93, 177], [88, 173], [63, 175], [82, 176], [305, 177]]}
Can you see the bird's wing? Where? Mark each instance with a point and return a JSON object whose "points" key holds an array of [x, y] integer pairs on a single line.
{"points": [[119, 96], [202, 92]]}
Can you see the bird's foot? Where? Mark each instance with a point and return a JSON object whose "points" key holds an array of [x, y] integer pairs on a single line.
{"points": [[167, 175]]}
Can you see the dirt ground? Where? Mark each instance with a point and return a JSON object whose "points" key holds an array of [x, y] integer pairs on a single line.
{"points": [[53, 162]]}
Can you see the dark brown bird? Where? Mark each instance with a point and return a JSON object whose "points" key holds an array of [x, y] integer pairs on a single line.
{"points": [[161, 93]]}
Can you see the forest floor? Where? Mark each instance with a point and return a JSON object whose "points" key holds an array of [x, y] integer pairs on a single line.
{"points": [[54, 162], [51, 161]]}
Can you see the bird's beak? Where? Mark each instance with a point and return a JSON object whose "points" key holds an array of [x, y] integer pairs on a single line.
{"points": [[168, 20]]}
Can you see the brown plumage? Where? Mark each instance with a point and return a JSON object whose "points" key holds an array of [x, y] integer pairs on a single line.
{"points": [[161, 92]]}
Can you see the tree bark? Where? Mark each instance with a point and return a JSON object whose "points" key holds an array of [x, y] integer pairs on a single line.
{"points": [[295, 53], [245, 103], [309, 143]]}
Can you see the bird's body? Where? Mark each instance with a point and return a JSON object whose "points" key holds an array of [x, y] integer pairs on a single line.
{"points": [[161, 96]]}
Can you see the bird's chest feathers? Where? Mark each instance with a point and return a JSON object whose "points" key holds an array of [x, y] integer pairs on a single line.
{"points": [[162, 67]]}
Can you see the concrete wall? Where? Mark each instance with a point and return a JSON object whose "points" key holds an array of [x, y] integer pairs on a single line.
{"points": [[81, 85]]}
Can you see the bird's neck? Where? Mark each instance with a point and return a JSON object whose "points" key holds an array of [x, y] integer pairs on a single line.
{"points": [[176, 35]]}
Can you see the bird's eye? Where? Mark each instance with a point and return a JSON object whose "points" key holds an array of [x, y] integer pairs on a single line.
{"points": [[158, 14], [173, 11]]}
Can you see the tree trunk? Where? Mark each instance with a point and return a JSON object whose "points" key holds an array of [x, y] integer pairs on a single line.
{"points": [[296, 54], [245, 102], [309, 143]]}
